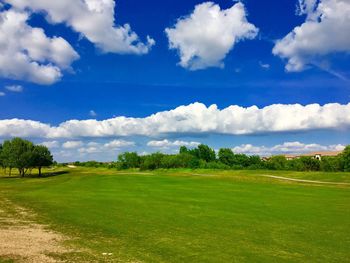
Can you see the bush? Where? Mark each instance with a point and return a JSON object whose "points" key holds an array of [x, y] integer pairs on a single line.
{"points": [[277, 162]]}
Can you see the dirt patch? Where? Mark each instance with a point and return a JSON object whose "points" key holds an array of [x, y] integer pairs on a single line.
{"points": [[302, 180], [23, 240]]}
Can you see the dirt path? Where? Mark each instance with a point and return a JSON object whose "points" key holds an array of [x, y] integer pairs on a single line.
{"points": [[288, 179], [22, 240], [302, 180]]}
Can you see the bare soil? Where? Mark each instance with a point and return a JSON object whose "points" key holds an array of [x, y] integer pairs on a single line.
{"points": [[23, 240]]}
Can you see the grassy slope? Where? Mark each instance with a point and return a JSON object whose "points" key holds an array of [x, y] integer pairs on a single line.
{"points": [[163, 218]]}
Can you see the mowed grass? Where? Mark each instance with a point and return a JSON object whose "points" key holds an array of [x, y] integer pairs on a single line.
{"points": [[173, 216]]}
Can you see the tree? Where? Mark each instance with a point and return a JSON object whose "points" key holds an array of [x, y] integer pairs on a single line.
{"points": [[310, 163], [183, 149], [345, 159], [21, 154], [204, 152], [187, 160], [17, 153], [331, 164], [1, 157], [255, 162], [241, 160], [226, 156], [6, 153], [41, 157], [278, 162], [152, 161], [129, 160]]}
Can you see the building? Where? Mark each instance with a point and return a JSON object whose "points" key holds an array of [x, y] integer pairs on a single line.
{"points": [[316, 155]]}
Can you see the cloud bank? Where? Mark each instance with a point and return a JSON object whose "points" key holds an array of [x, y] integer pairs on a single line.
{"points": [[324, 32], [285, 148], [93, 19], [28, 54], [14, 88], [195, 118], [168, 144], [205, 37]]}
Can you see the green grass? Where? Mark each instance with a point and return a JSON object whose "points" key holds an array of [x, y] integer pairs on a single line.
{"points": [[173, 216]]}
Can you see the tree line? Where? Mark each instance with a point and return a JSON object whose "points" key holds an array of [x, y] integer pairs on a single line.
{"points": [[204, 157], [23, 155]]}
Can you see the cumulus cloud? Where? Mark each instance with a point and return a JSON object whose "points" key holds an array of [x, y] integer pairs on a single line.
{"points": [[23, 128], [28, 54], [93, 19], [72, 144], [14, 88], [205, 37], [167, 144], [285, 148], [264, 65], [94, 147], [92, 113], [195, 118], [51, 144], [118, 144], [324, 32]]}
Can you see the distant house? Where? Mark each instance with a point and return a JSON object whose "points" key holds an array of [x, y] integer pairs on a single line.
{"points": [[291, 156], [316, 155]]}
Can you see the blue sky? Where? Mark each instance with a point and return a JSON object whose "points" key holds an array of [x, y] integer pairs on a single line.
{"points": [[101, 82]]}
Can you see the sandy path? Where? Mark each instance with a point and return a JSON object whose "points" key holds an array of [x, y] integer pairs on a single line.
{"points": [[287, 179], [302, 180], [23, 240]]}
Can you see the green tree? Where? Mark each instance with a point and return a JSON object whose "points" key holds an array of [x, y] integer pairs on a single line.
{"points": [[278, 162], [204, 152], [183, 149], [41, 157], [17, 154], [129, 160], [345, 159], [170, 161], [187, 160], [1, 157], [226, 156], [21, 155], [241, 160], [331, 164], [255, 162], [152, 161], [295, 165], [310, 163]]}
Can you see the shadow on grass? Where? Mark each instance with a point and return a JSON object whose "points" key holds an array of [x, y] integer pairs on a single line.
{"points": [[43, 175]]}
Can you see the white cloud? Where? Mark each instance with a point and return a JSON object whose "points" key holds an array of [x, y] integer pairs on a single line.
{"points": [[195, 118], [93, 19], [14, 88], [205, 37], [118, 144], [90, 150], [286, 148], [28, 54], [92, 113], [23, 128], [167, 144], [2, 94], [264, 65], [94, 147], [51, 144], [72, 144], [325, 31]]}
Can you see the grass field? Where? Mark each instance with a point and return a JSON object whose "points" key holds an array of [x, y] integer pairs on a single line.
{"points": [[175, 216]]}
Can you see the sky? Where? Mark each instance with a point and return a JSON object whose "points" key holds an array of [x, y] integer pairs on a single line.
{"points": [[93, 78]]}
